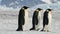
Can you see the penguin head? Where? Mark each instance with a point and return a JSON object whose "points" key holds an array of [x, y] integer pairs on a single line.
{"points": [[38, 9], [48, 10], [25, 7]]}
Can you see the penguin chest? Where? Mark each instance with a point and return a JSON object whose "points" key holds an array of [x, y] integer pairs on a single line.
{"points": [[26, 20], [26, 16], [39, 17], [49, 17]]}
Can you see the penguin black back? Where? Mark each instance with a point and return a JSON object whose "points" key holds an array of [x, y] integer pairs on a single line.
{"points": [[46, 20], [35, 16], [45, 17], [21, 19], [22, 14], [35, 20]]}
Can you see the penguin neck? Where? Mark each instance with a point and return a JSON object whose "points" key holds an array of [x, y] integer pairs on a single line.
{"points": [[49, 12], [37, 11], [25, 10]]}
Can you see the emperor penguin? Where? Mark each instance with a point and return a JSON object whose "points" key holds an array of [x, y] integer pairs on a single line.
{"points": [[36, 19], [47, 17], [22, 18]]}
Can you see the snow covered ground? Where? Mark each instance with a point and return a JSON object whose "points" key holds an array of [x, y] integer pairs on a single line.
{"points": [[9, 22]]}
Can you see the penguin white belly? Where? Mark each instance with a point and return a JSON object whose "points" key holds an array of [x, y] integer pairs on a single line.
{"points": [[26, 20], [50, 19], [39, 16]]}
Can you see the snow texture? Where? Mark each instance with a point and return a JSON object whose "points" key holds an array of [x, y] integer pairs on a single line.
{"points": [[9, 23]]}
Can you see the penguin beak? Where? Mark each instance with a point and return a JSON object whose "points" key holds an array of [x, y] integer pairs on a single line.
{"points": [[51, 9]]}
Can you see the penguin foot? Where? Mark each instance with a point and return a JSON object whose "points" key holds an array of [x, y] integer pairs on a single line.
{"points": [[19, 30], [45, 30], [32, 29], [42, 30], [48, 31]]}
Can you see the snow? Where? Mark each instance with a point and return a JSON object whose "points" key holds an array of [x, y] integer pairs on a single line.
{"points": [[9, 22]]}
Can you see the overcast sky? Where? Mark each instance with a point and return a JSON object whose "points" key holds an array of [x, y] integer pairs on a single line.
{"points": [[30, 3]]}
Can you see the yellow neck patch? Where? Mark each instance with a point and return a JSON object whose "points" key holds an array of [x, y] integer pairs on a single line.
{"points": [[22, 8], [37, 10]]}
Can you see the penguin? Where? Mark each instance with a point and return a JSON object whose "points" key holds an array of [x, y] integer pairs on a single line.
{"points": [[22, 18], [35, 19], [47, 17]]}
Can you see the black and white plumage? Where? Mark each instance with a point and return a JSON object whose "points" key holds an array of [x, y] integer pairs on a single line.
{"points": [[35, 19], [47, 17], [22, 18]]}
